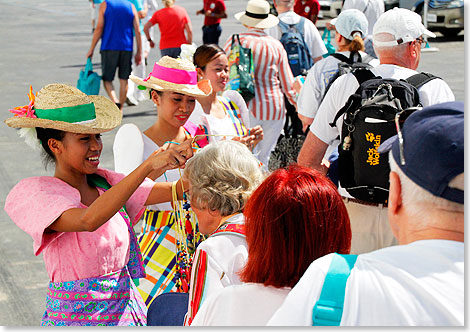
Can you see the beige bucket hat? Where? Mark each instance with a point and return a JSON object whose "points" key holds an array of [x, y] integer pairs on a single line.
{"points": [[64, 107], [176, 75], [257, 15]]}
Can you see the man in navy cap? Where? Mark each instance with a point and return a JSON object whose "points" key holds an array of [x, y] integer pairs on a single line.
{"points": [[419, 282]]}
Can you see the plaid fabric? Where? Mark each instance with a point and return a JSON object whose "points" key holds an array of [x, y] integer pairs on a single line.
{"points": [[158, 246]]}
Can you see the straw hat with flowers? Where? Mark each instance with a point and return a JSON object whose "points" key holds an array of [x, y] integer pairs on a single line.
{"points": [[64, 107], [175, 75]]}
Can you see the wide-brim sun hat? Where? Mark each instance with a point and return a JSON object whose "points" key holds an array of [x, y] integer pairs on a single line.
{"points": [[175, 75], [64, 107], [402, 24], [349, 21], [257, 15]]}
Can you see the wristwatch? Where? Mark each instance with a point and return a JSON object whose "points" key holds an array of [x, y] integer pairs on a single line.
{"points": [[149, 40]]}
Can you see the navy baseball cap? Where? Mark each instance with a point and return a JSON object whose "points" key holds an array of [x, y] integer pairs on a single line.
{"points": [[433, 146]]}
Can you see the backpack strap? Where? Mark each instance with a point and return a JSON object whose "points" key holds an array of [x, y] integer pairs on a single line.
{"points": [[418, 80], [329, 308], [283, 26], [361, 76], [300, 26], [232, 228], [342, 58]]}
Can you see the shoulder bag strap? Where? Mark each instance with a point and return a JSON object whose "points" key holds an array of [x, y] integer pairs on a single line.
{"points": [[329, 308]]}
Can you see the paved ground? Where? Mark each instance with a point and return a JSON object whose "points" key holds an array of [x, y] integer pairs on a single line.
{"points": [[45, 41]]}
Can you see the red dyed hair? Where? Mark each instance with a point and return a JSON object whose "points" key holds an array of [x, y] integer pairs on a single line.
{"points": [[294, 217]]}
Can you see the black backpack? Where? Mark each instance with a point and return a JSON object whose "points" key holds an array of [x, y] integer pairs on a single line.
{"points": [[369, 120], [348, 65]]}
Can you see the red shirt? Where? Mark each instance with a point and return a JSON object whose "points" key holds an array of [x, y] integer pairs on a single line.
{"points": [[171, 22], [215, 6], [306, 10]]}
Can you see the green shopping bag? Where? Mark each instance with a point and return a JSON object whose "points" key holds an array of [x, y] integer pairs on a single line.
{"points": [[89, 82], [241, 70], [329, 46]]}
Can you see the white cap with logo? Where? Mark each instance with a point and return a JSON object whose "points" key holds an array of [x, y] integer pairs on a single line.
{"points": [[403, 24]]}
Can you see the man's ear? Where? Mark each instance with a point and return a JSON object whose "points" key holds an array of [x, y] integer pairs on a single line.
{"points": [[395, 194]]}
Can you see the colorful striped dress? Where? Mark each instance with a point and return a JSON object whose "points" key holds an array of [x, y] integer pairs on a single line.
{"points": [[158, 235]]}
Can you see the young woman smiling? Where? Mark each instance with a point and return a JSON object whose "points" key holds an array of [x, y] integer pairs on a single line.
{"points": [[223, 114], [173, 88], [82, 218]]}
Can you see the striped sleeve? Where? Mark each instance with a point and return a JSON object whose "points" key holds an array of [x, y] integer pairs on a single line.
{"points": [[198, 281], [286, 77]]}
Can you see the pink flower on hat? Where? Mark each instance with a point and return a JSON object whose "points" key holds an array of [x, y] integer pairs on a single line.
{"points": [[27, 110]]}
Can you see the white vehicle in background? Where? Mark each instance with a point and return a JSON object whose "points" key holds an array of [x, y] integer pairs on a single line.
{"points": [[330, 8], [445, 16]]}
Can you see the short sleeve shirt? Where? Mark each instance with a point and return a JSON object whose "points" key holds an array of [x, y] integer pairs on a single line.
{"points": [[35, 203], [307, 8], [171, 22], [215, 6]]}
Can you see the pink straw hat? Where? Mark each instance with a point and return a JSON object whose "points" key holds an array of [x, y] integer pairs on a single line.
{"points": [[176, 75]]}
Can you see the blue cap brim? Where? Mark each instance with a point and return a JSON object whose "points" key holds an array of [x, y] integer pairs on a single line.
{"points": [[387, 144]]}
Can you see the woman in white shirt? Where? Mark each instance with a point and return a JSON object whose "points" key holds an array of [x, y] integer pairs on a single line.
{"points": [[173, 87], [294, 217], [223, 114], [221, 177], [351, 28]]}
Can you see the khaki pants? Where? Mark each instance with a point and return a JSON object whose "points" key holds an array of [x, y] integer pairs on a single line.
{"points": [[370, 227]]}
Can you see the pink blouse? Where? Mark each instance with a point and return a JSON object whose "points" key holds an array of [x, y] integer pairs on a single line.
{"points": [[35, 203]]}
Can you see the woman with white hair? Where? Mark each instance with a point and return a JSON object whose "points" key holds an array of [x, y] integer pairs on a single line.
{"points": [[221, 177]]}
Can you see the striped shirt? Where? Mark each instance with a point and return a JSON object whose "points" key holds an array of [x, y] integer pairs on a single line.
{"points": [[273, 76]]}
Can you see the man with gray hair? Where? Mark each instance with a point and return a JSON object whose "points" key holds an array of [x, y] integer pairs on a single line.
{"points": [[398, 38], [421, 281]]}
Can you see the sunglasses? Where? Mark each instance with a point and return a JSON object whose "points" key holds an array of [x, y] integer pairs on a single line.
{"points": [[400, 118]]}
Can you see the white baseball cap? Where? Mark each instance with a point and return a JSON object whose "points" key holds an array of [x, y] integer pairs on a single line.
{"points": [[349, 21], [403, 24]]}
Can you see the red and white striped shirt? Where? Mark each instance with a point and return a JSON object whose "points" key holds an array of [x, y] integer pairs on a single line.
{"points": [[273, 76]]}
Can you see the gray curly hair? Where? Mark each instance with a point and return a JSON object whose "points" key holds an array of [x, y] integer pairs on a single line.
{"points": [[222, 176]]}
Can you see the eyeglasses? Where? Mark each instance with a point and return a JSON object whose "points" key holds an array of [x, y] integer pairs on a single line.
{"points": [[421, 41], [399, 121]]}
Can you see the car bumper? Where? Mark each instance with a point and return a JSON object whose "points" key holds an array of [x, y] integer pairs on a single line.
{"points": [[446, 18]]}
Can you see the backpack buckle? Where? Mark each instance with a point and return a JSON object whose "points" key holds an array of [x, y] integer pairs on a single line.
{"points": [[327, 313]]}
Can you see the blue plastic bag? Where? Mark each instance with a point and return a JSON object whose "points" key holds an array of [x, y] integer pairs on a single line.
{"points": [[89, 82]]}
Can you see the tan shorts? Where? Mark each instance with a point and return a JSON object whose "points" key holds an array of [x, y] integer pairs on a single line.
{"points": [[370, 227]]}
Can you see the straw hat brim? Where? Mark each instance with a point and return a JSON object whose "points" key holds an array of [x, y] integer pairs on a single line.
{"points": [[202, 89], [108, 117], [261, 23]]}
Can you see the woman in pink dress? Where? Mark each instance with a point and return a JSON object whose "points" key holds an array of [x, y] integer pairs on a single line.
{"points": [[82, 218]]}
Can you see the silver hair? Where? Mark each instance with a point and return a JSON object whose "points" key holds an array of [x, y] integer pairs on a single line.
{"points": [[222, 176], [420, 202]]}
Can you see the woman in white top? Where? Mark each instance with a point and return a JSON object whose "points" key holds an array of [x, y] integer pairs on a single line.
{"points": [[294, 217], [223, 114], [351, 29], [173, 88], [221, 178]]}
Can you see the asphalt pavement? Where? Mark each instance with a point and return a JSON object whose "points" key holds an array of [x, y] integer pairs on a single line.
{"points": [[46, 41]]}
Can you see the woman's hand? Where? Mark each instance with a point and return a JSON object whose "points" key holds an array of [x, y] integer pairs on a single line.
{"points": [[171, 156], [251, 139]]}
